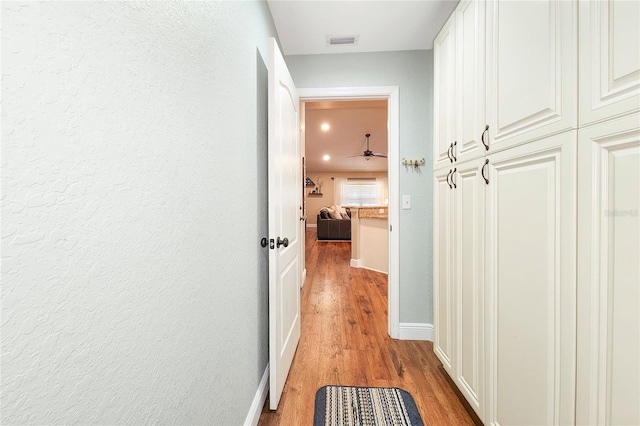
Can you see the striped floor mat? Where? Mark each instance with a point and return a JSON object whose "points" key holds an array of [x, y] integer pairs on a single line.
{"points": [[360, 406]]}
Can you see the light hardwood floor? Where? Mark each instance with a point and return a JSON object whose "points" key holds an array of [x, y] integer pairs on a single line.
{"points": [[345, 342]]}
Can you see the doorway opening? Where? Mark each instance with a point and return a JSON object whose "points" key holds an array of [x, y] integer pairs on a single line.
{"points": [[386, 99], [346, 177]]}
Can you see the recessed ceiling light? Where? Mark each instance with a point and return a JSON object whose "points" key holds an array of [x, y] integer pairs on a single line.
{"points": [[324, 126], [326, 157]]}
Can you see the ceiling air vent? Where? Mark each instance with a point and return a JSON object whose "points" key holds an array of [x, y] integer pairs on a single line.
{"points": [[342, 40]]}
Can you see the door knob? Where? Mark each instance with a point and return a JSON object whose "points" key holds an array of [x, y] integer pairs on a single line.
{"points": [[284, 242]]}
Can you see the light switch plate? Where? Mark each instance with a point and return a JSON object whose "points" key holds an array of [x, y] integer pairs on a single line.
{"points": [[406, 202]]}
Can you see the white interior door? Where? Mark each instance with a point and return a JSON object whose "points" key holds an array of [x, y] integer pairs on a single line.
{"points": [[284, 218]]}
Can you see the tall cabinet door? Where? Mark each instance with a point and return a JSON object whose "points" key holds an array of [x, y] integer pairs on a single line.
{"points": [[609, 59], [609, 273], [444, 93], [531, 283], [470, 79], [443, 289], [469, 194], [531, 71]]}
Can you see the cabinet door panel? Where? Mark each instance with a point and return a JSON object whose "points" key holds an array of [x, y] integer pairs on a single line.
{"points": [[444, 93], [609, 59], [443, 291], [470, 78], [531, 221], [469, 272], [608, 273], [532, 55]]}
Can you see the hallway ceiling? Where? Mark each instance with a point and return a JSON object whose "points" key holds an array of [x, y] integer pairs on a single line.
{"points": [[303, 25]]}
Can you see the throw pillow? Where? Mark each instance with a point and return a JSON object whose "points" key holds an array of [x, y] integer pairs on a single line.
{"points": [[343, 212], [334, 214]]}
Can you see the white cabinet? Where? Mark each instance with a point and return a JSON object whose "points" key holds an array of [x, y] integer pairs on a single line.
{"points": [[469, 300], [459, 268], [443, 294], [470, 79], [531, 284], [460, 93], [609, 273], [531, 70], [609, 59], [444, 49]]}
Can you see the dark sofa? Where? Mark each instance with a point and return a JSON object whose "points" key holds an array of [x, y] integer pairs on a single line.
{"points": [[333, 229]]}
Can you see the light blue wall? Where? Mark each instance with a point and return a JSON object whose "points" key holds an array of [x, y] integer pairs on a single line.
{"points": [[412, 71], [133, 197]]}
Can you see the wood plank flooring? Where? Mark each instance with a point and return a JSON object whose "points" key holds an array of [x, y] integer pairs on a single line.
{"points": [[345, 342]]}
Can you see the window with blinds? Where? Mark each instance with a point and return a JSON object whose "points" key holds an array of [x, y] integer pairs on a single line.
{"points": [[361, 192]]}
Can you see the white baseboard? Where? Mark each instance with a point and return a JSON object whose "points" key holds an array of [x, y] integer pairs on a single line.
{"points": [[357, 263], [375, 270], [312, 225], [416, 331], [253, 416]]}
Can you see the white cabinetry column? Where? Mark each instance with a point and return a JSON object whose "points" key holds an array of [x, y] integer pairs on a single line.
{"points": [[537, 272]]}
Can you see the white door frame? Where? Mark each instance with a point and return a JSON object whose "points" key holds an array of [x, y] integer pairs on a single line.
{"points": [[392, 95]]}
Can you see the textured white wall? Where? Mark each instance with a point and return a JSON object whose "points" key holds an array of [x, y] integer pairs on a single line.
{"points": [[412, 71], [133, 151]]}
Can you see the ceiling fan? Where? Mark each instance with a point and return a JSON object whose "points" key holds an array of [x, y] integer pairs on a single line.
{"points": [[368, 154]]}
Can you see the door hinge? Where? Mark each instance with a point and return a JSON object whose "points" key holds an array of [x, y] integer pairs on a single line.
{"points": [[390, 228]]}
